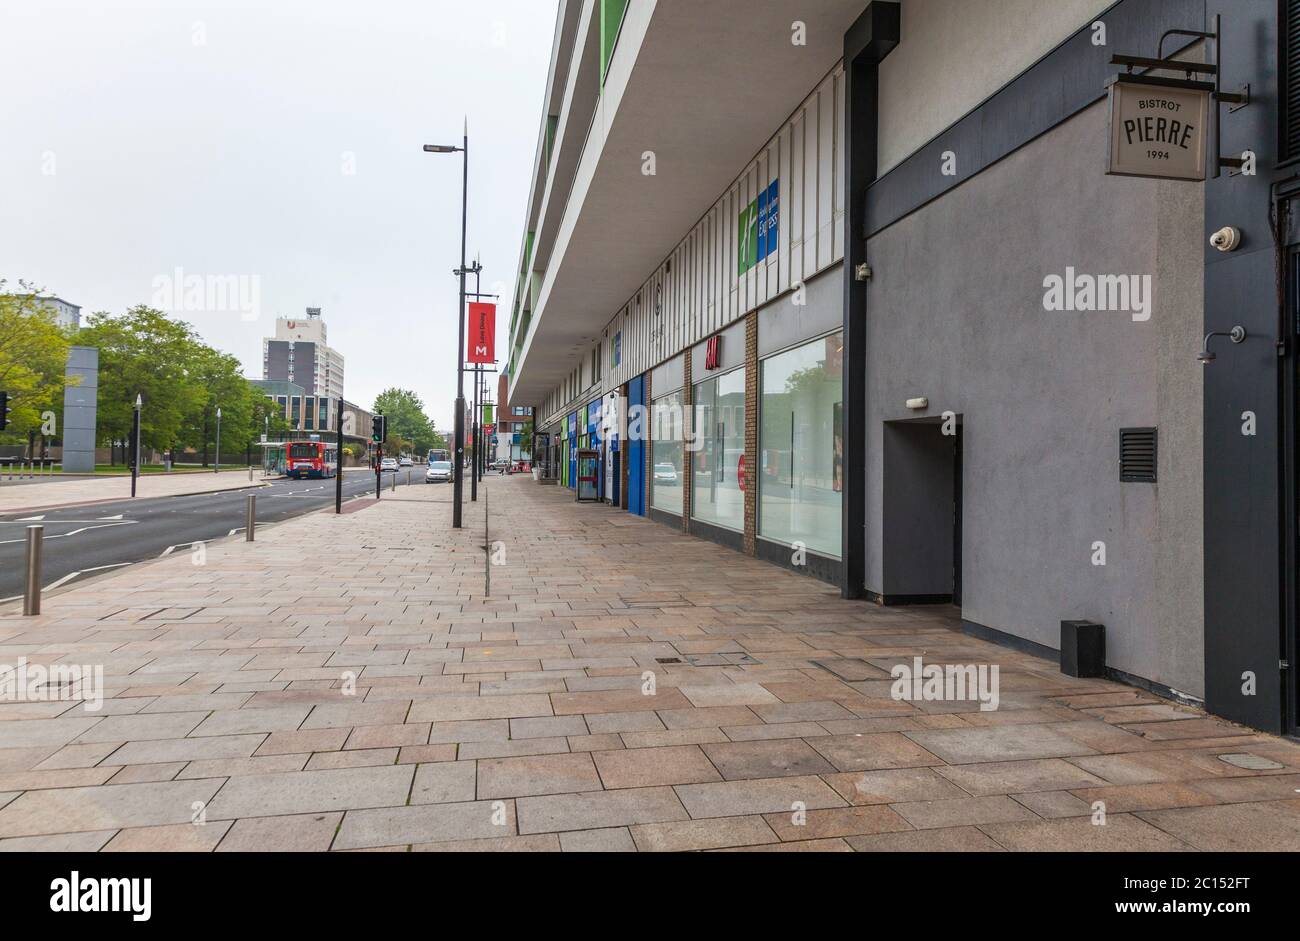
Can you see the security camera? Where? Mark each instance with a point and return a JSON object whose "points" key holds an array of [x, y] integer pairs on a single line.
{"points": [[1226, 239]]}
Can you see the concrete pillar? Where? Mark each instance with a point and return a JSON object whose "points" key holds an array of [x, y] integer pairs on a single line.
{"points": [[688, 432], [80, 406], [751, 433]]}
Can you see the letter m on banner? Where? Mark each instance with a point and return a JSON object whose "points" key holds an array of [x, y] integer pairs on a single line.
{"points": [[482, 333]]}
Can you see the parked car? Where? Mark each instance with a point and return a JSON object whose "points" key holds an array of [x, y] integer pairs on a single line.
{"points": [[439, 472], [388, 464], [404, 461], [665, 474]]}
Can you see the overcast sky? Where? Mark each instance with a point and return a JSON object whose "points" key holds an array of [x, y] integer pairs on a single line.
{"points": [[277, 140]]}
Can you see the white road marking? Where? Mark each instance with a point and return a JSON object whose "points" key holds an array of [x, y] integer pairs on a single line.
{"points": [[71, 575], [4, 542], [30, 519], [113, 565]]}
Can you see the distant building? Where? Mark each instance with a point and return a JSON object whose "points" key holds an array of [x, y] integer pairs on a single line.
{"points": [[66, 314], [509, 429], [309, 414], [299, 353]]}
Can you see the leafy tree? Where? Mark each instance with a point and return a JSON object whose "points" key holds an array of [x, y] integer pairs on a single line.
{"points": [[144, 353], [526, 437], [224, 387], [33, 359], [409, 428]]}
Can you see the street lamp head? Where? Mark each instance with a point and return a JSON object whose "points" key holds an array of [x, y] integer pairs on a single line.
{"points": [[440, 149], [138, 401]]}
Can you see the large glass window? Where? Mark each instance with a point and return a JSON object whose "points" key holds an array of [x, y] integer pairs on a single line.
{"points": [[719, 427], [666, 433], [801, 446]]}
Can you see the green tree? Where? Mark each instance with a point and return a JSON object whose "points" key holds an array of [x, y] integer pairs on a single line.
{"points": [[144, 353], [220, 376], [409, 428], [33, 359], [526, 436]]}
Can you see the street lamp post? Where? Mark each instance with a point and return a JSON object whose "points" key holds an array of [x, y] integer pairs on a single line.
{"points": [[458, 485], [475, 420], [216, 468], [135, 443]]}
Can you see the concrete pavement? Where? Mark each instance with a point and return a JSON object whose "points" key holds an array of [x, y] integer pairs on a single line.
{"points": [[80, 541], [82, 491], [344, 684]]}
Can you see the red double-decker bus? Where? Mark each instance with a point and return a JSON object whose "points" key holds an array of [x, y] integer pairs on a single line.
{"points": [[311, 459]]}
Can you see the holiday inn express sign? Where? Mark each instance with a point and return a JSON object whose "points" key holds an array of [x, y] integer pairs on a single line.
{"points": [[1158, 127]]}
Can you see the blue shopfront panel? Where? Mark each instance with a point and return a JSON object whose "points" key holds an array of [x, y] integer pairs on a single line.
{"points": [[633, 453], [573, 451]]}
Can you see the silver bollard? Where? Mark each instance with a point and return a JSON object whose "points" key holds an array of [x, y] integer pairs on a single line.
{"points": [[250, 473], [32, 595], [393, 486], [250, 517]]}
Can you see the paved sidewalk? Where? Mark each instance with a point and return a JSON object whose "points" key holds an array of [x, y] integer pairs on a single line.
{"points": [[343, 684], [48, 495]]}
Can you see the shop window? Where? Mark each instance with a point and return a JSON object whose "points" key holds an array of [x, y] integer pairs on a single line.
{"points": [[666, 435], [719, 427], [801, 446]]}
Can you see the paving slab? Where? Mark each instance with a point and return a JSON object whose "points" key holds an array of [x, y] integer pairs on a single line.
{"points": [[297, 792], [225, 691]]}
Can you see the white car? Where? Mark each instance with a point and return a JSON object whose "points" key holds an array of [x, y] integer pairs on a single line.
{"points": [[665, 474], [404, 462], [439, 472], [388, 464]]}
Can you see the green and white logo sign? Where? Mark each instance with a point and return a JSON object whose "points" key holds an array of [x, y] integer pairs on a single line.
{"points": [[757, 227]]}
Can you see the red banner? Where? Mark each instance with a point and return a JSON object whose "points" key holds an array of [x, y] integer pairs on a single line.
{"points": [[482, 333]]}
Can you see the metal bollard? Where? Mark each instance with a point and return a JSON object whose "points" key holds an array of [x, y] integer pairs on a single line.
{"points": [[250, 473], [393, 485], [32, 595], [250, 517]]}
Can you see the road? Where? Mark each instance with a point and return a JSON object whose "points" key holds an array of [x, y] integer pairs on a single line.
{"points": [[84, 541]]}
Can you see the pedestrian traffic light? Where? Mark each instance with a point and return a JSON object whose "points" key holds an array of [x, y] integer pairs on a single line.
{"points": [[380, 430], [4, 410]]}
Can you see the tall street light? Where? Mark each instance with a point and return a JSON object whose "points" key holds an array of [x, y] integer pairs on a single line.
{"points": [[458, 486], [216, 468], [135, 443], [476, 269]]}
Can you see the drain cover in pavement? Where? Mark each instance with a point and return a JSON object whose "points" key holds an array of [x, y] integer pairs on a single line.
{"points": [[720, 659], [1252, 762]]}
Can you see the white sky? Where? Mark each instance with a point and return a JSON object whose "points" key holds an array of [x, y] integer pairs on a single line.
{"points": [[142, 136]]}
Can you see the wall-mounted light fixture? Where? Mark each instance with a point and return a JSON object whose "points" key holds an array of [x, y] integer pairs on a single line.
{"points": [[918, 403], [1237, 335]]}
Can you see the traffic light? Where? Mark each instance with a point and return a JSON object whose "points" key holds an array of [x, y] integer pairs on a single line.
{"points": [[380, 429], [4, 410]]}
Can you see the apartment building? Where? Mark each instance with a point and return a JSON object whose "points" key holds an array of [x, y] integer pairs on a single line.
{"points": [[913, 297], [299, 353]]}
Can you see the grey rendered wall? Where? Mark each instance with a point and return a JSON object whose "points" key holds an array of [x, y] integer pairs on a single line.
{"points": [[80, 407], [955, 313]]}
